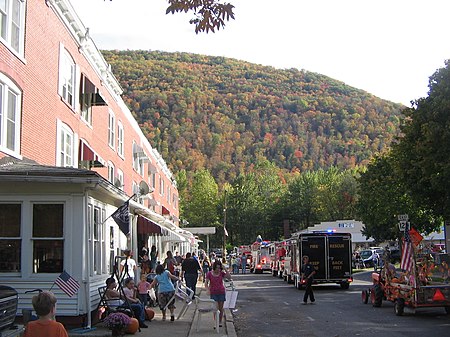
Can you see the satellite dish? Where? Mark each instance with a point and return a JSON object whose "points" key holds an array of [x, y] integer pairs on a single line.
{"points": [[143, 188]]}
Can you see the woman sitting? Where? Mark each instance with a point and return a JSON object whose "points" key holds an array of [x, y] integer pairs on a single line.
{"points": [[114, 298]]}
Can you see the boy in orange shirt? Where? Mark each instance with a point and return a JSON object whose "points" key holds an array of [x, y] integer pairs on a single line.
{"points": [[45, 306]]}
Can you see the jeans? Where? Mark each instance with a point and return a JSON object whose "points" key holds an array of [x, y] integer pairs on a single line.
{"points": [[191, 281]]}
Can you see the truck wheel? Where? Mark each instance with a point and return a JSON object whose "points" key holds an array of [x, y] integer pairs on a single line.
{"points": [[365, 296], [376, 295], [399, 306], [345, 285]]}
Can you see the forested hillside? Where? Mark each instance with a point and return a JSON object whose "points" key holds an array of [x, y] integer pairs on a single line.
{"points": [[223, 114]]}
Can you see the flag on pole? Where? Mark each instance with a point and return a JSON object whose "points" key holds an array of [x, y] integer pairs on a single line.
{"points": [[407, 261], [67, 284], [122, 217]]}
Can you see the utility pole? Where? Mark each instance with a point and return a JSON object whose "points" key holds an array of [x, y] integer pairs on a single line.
{"points": [[225, 233]]}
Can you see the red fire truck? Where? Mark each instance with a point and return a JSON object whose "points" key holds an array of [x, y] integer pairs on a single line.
{"points": [[277, 251], [261, 257]]}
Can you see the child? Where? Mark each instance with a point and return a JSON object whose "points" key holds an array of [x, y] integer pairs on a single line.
{"points": [[143, 288], [45, 306]]}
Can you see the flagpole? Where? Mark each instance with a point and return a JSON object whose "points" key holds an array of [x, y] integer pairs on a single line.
{"points": [[113, 212]]}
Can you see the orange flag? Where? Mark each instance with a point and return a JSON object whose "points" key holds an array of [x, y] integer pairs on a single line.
{"points": [[416, 238]]}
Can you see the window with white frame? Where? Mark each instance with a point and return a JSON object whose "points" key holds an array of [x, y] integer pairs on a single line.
{"points": [[99, 240], [119, 179], [161, 185], [153, 180], [111, 129], [66, 145], [48, 237], [67, 71], [111, 172], [12, 24], [120, 137], [10, 237], [10, 116], [168, 194]]}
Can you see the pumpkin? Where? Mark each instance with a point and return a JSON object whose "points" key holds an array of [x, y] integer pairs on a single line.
{"points": [[133, 326], [149, 313]]}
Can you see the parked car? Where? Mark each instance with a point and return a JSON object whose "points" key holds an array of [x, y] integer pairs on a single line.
{"points": [[367, 254]]}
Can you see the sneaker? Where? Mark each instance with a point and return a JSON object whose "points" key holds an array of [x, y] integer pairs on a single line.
{"points": [[304, 303], [172, 318], [143, 325]]}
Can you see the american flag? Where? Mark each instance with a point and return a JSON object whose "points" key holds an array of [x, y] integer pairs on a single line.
{"points": [[407, 261], [67, 284]]}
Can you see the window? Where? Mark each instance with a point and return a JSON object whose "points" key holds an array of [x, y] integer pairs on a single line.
{"points": [[120, 137], [47, 236], [119, 180], [111, 129], [10, 241], [153, 180], [98, 233], [67, 78], [89, 97], [65, 146], [12, 24], [10, 116], [111, 172], [161, 185]]}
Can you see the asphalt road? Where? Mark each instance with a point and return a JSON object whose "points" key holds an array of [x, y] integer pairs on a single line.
{"points": [[268, 306]]}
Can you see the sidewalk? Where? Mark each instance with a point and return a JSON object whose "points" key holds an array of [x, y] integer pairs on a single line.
{"points": [[186, 326]]}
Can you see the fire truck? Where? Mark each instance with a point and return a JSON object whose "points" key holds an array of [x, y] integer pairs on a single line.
{"points": [[290, 266], [277, 251], [329, 252], [260, 257]]}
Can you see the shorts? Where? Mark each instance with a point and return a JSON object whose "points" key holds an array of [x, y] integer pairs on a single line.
{"points": [[164, 298], [218, 297]]}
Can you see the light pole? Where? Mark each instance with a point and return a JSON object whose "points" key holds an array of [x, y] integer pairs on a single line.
{"points": [[225, 233]]}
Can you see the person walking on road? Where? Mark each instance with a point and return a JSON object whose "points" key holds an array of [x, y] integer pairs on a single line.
{"points": [[243, 262], [308, 273]]}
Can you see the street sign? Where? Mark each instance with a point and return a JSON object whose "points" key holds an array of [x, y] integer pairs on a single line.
{"points": [[402, 226], [403, 217]]}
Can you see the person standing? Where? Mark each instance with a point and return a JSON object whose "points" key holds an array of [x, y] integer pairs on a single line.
{"points": [[214, 284], [243, 262], [308, 273], [145, 265], [143, 288], [189, 271], [153, 257], [45, 306], [128, 265], [206, 266]]}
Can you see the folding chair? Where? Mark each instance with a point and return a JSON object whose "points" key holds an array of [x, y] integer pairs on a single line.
{"points": [[206, 306], [185, 294]]}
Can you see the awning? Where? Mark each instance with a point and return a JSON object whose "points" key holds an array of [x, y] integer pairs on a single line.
{"points": [[139, 153], [147, 226], [88, 156], [90, 94], [165, 211]]}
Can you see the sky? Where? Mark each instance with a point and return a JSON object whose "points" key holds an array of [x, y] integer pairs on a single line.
{"points": [[388, 48]]}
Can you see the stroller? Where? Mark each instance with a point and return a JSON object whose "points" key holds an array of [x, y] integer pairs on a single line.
{"points": [[152, 298]]}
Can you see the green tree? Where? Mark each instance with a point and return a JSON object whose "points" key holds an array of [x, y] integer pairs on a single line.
{"points": [[423, 153], [382, 197], [200, 205]]}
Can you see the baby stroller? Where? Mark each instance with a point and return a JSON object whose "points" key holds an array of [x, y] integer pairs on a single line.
{"points": [[152, 298]]}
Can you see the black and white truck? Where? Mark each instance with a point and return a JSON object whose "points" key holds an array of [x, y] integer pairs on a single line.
{"points": [[331, 255]]}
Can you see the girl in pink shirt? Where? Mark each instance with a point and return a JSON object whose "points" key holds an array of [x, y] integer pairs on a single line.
{"points": [[143, 288], [214, 284]]}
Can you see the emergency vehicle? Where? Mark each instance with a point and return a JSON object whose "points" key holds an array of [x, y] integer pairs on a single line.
{"points": [[277, 251], [329, 252], [260, 257]]}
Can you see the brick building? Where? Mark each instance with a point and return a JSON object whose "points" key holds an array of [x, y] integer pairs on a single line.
{"points": [[71, 153]]}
